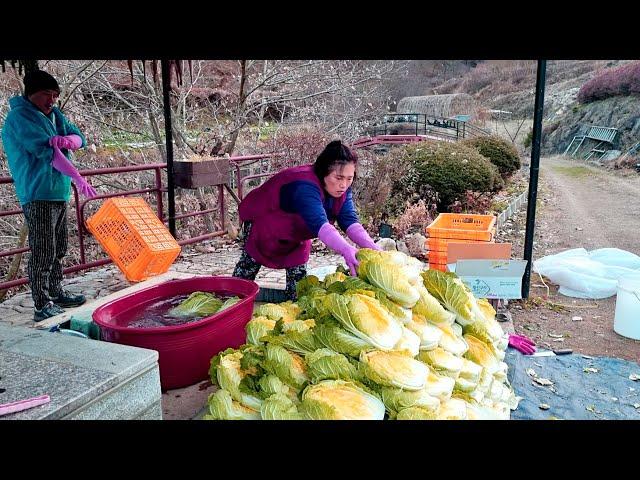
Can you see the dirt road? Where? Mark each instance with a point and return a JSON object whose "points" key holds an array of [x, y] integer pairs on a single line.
{"points": [[579, 205]]}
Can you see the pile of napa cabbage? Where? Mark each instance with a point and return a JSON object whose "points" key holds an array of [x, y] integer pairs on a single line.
{"points": [[395, 342]]}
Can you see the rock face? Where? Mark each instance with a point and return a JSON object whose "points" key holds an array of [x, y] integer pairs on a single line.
{"points": [[622, 113], [386, 244], [416, 244]]}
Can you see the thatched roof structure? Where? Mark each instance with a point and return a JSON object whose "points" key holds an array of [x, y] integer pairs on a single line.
{"points": [[439, 105]]}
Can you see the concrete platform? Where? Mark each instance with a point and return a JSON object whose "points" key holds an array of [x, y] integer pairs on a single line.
{"points": [[86, 379]]}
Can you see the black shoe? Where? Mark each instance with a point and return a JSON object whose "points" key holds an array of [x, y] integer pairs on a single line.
{"points": [[48, 311], [66, 299]]}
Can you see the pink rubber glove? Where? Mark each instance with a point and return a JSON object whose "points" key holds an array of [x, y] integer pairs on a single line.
{"points": [[64, 166], [332, 239], [522, 344], [20, 405], [70, 142], [358, 235]]}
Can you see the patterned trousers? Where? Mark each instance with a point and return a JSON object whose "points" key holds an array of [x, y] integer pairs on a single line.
{"points": [[47, 222], [248, 268]]}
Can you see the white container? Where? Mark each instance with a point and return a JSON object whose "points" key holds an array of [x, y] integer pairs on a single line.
{"points": [[626, 321]]}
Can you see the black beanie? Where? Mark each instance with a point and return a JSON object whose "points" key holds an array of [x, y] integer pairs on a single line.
{"points": [[37, 80]]}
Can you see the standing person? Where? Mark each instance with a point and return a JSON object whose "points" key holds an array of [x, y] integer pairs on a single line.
{"points": [[295, 205], [37, 138]]}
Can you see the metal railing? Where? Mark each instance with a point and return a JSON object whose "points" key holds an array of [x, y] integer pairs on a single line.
{"points": [[423, 124], [80, 205], [245, 162]]}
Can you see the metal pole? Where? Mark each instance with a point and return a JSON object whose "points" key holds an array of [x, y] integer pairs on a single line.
{"points": [[166, 86], [533, 176]]}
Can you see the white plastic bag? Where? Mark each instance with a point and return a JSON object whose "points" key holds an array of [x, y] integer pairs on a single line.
{"points": [[582, 274]]}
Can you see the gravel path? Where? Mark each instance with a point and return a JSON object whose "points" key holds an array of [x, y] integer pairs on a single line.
{"points": [[579, 205]]}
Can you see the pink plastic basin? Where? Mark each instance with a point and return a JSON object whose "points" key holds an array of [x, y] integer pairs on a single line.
{"points": [[185, 351]]}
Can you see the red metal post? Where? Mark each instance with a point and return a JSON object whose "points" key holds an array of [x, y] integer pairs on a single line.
{"points": [[221, 201], [159, 193]]}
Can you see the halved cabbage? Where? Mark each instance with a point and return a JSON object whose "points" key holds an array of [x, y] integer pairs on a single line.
{"points": [[416, 413], [457, 329], [279, 407], [409, 343], [450, 342], [480, 353], [465, 385], [366, 318], [452, 293], [297, 341], [442, 361], [439, 386], [223, 407], [486, 379], [397, 399], [489, 331], [257, 328], [333, 278], [501, 374], [452, 409], [476, 411], [430, 308], [332, 336], [325, 364], [198, 304], [476, 395], [230, 374], [274, 311], [384, 275], [394, 369], [340, 400], [270, 384], [287, 366], [470, 370], [428, 334]]}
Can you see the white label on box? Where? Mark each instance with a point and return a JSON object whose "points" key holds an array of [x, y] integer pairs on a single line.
{"points": [[492, 278]]}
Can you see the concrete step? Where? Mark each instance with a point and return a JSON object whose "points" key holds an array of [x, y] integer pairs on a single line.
{"points": [[86, 379]]}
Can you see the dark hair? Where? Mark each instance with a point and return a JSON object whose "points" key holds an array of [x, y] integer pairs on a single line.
{"points": [[37, 80], [334, 155]]}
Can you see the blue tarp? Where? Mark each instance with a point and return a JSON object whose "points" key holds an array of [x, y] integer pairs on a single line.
{"points": [[576, 394]]}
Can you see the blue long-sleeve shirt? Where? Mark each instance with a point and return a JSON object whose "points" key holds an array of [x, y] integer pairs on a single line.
{"points": [[303, 198]]}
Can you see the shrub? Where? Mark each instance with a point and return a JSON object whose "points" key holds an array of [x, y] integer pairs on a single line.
{"points": [[372, 187], [448, 168], [473, 202], [624, 80], [500, 152], [528, 139], [414, 219], [406, 187]]}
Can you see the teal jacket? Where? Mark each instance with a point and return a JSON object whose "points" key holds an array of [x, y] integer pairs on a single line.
{"points": [[25, 137]]}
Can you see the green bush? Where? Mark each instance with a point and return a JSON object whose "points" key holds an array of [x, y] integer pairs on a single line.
{"points": [[500, 152], [449, 168], [528, 140]]}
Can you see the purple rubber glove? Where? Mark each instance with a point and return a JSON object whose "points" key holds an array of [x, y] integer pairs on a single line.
{"points": [[522, 344], [20, 405], [358, 235], [332, 239], [70, 142], [64, 166]]}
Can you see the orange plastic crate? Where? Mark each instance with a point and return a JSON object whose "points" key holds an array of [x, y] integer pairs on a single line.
{"points": [[437, 257], [134, 237], [463, 226], [440, 244], [438, 266]]}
